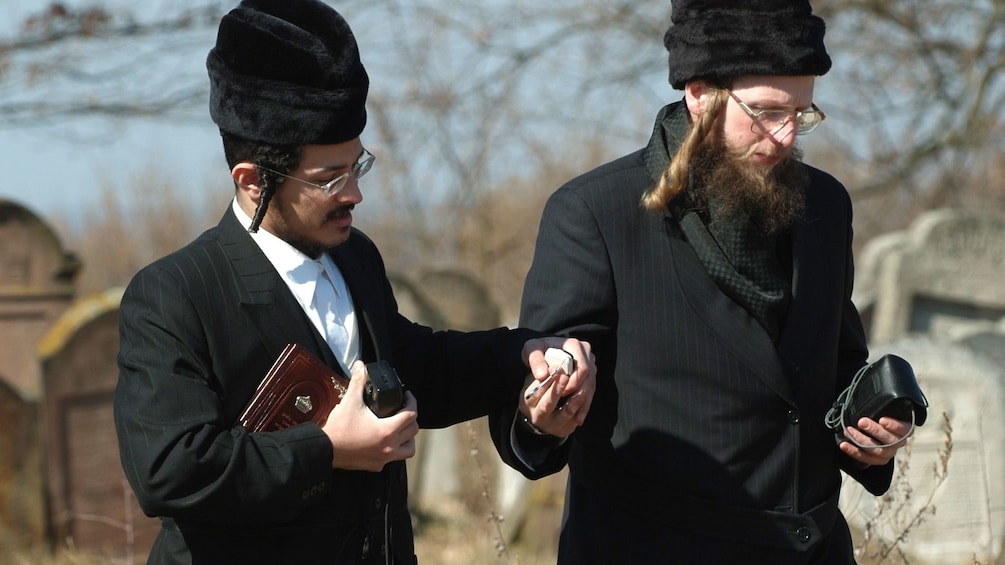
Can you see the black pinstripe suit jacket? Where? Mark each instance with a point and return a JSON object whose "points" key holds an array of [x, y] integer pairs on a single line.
{"points": [[704, 439], [199, 329]]}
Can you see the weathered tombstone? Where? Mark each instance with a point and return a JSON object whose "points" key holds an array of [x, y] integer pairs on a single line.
{"points": [[22, 504], [427, 493], [91, 507], [868, 265], [960, 503], [985, 338], [443, 299], [948, 271], [36, 286], [934, 294], [462, 300], [458, 464]]}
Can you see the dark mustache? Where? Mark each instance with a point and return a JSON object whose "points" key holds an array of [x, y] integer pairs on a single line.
{"points": [[340, 211]]}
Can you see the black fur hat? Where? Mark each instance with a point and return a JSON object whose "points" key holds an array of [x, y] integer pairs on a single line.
{"points": [[718, 39], [287, 72]]}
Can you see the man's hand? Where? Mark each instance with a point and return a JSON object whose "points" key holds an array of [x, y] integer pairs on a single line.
{"points": [[879, 441], [562, 403], [360, 440]]}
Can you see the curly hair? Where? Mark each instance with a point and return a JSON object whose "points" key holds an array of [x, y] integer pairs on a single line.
{"points": [[675, 178], [281, 158]]}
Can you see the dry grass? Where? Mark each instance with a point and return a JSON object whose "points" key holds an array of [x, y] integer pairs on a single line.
{"points": [[885, 535], [466, 537], [457, 537]]}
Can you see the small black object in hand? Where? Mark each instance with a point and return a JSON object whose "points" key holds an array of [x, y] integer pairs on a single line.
{"points": [[383, 394]]}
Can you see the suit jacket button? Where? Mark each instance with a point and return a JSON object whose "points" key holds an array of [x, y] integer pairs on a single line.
{"points": [[803, 534], [377, 502]]}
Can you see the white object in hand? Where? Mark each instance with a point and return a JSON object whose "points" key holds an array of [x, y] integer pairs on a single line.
{"points": [[559, 360]]}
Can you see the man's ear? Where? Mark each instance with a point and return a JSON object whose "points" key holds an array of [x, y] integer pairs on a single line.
{"points": [[246, 178], [697, 94]]}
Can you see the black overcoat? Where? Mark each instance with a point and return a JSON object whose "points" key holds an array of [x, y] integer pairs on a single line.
{"points": [[705, 443]]}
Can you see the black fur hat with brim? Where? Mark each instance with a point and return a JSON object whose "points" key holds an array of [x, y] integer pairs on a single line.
{"points": [[721, 39], [287, 72]]}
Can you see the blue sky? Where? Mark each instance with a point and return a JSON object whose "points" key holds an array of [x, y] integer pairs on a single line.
{"points": [[57, 169], [49, 174]]}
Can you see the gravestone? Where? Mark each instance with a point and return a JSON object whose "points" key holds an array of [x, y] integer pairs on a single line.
{"points": [[36, 286], [934, 294], [963, 516], [985, 338], [91, 506], [947, 270], [446, 299], [22, 504]]}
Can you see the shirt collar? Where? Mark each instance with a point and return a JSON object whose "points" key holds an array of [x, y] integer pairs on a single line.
{"points": [[298, 270]]}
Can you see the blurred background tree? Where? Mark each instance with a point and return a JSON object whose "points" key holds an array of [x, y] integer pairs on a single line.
{"points": [[478, 110]]}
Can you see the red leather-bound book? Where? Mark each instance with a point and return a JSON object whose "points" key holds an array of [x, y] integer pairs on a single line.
{"points": [[298, 388]]}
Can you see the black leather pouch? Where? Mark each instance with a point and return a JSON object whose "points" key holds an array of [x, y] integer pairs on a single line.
{"points": [[886, 387]]}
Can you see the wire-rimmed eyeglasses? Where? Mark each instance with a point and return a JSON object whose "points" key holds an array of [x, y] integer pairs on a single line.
{"points": [[772, 121], [332, 187]]}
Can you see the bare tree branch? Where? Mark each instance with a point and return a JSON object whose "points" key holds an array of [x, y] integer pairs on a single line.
{"points": [[468, 98]]}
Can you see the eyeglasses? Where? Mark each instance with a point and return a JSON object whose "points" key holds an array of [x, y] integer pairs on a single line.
{"points": [[332, 187], [772, 121]]}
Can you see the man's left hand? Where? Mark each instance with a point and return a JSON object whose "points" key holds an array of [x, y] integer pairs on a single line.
{"points": [[887, 436]]}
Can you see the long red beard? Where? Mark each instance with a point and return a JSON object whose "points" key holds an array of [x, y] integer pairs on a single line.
{"points": [[773, 198]]}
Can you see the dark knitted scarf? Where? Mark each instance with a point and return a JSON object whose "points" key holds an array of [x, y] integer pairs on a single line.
{"points": [[744, 263]]}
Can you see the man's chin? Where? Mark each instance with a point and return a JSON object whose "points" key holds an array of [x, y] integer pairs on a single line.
{"points": [[337, 236], [765, 163]]}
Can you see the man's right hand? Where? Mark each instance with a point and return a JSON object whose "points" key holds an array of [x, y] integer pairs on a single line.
{"points": [[360, 440]]}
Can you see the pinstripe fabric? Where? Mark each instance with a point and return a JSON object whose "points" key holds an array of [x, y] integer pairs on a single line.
{"points": [[198, 330], [695, 406]]}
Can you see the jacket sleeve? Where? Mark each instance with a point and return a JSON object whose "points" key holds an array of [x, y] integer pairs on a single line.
{"points": [[569, 292], [181, 455], [852, 355], [569, 289], [455, 376]]}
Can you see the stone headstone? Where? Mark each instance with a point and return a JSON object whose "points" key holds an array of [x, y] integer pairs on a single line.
{"points": [[36, 286], [445, 470], [22, 500], [947, 270], [962, 515], [91, 506]]}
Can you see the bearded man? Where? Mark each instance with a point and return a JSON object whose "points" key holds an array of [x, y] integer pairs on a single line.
{"points": [[712, 273]]}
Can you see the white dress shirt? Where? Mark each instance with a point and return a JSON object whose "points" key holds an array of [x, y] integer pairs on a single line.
{"points": [[335, 322]]}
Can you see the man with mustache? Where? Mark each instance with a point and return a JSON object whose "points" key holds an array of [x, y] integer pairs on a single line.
{"points": [[201, 327], [712, 273]]}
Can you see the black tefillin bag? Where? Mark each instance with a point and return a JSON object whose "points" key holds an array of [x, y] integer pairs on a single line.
{"points": [[886, 387]]}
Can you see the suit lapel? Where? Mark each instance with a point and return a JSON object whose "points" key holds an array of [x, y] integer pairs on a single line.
{"points": [[738, 330], [802, 323], [265, 298]]}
